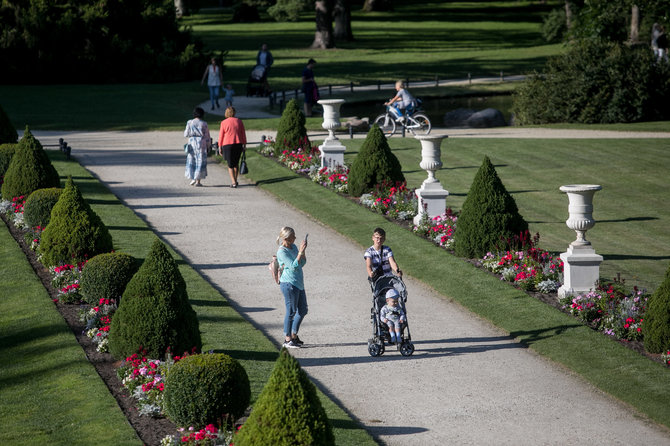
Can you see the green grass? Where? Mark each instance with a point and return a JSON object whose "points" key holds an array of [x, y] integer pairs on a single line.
{"points": [[221, 326], [50, 392], [610, 366]]}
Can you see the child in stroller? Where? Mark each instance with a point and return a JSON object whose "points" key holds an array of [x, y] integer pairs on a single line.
{"points": [[393, 286], [393, 316], [257, 84]]}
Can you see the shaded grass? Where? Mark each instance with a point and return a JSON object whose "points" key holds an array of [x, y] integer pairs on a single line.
{"points": [[50, 392], [223, 330], [605, 363]]}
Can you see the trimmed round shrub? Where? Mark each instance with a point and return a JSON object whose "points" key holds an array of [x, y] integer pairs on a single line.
{"points": [[75, 233], [6, 153], [29, 169], [106, 276], [656, 328], [291, 131], [200, 389], [288, 411], [489, 217], [38, 207], [374, 164], [7, 131], [154, 313]]}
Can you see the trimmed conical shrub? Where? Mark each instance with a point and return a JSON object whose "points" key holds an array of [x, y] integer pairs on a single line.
{"points": [[6, 153], [106, 276], [155, 313], [39, 204], [291, 131], [489, 215], [656, 327], [288, 411], [30, 169], [201, 388], [374, 164], [75, 233], [7, 131]]}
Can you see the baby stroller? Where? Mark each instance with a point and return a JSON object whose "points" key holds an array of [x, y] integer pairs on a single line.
{"points": [[380, 331], [257, 85]]}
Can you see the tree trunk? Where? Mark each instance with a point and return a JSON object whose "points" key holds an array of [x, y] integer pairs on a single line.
{"points": [[323, 38], [342, 16], [568, 15], [635, 24], [180, 8], [377, 5]]}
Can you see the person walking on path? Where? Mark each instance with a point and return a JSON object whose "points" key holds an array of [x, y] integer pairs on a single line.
{"points": [[199, 141], [214, 81], [291, 261], [264, 57], [232, 142], [379, 259], [228, 94], [309, 87]]}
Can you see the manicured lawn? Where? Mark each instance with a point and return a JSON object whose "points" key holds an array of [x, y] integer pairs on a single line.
{"points": [[610, 366], [50, 393], [221, 326]]}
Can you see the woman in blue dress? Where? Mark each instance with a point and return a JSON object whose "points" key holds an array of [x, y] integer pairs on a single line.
{"points": [[199, 141]]}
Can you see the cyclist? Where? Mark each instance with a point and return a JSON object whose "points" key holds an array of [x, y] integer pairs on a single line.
{"points": [[403, 101]]}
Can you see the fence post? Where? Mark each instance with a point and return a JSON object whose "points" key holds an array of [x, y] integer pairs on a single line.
{"points": [[351, 132], [296, 94], [469, 78], [502, 77], [437, 80], [282, 104], [330, 90], [283, 96], [351, 86], [379, 85], [407, 82]]}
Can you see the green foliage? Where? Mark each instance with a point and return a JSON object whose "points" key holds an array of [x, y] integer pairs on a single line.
{"points": [[29, 169], [656, 327], [288, 411], [37, 210], [374, 164], [245, 12], [7, 131], [554, 27], [596, 83], [104, 40], [106, 276], [287, 10], [6, 153], [154, 313], [291, 131], [75, 233], [200, 389], [489, 218]]}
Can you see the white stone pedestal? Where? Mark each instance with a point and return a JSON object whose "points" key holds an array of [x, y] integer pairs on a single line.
{"points": [[332, 151], [431, 195]]}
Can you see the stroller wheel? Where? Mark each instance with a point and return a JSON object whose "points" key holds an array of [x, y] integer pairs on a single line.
{"points": [[406, 348], [375, 349]]}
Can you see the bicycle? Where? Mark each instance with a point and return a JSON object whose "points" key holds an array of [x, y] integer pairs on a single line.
{"points": [[416, 123]]}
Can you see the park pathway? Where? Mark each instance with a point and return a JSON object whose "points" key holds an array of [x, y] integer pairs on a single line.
{"points": [[467, 382]]}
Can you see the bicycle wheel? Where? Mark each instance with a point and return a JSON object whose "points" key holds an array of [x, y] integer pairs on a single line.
{"points": [[419, 124], [386, 123]]}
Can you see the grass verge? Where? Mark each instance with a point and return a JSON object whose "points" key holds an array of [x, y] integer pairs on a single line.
{"points": [[611, 367]]}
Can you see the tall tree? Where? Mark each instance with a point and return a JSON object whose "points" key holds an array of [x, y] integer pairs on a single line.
{"points": [[377, 5], [634, 24], [323, 38], [342, 16]]}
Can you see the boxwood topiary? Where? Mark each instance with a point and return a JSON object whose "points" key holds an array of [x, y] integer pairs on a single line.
{"points": [[199, 389], [75, 233], [154, 312], [374, 164], [288, 411], [7, 131], [489, 215], [38, 207], [6, 153], [106, 276], [656, 328], [29, 169], [291, 131]]}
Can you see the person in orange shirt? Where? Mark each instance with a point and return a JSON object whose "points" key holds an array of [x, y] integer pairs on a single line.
{"points": [[232, 142]]}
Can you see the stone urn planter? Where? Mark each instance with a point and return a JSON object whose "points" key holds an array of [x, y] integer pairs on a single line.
{"points": [[581, 264], [332, 151], [431, 195]]}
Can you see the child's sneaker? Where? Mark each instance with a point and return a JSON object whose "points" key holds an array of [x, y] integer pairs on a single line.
{"points": [[298, 341], [291, 344]]}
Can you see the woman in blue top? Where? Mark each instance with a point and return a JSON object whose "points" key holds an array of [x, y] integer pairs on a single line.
{"points": [[291, 260]]}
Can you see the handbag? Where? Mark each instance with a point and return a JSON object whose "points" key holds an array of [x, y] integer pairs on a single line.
{"points": [[187, 146], [244, 169]]}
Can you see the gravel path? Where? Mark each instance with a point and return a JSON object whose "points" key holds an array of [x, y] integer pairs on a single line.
{"points": [[467, 382]]}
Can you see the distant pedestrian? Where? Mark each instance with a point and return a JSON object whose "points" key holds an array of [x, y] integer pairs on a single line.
{"points": [[264, 57], [403, 100], [309, 87], [199, 141], [228, 94], [232, 142], [214, 81], [291, 261], [662, 42]]}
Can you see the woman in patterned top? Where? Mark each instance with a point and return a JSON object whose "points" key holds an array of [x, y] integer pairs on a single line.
{"points": [[379, 258]]}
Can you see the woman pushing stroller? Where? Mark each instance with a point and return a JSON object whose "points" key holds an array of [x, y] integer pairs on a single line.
{"points": [[379, 258]]}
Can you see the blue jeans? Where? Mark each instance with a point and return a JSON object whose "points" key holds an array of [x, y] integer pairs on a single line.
{"points": [[214, 95], [296, 307]]}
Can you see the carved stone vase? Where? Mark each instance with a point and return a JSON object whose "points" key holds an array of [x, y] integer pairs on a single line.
{"points": [[332, 151], [431, 195]]}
